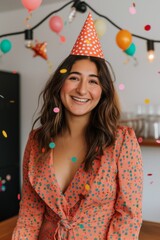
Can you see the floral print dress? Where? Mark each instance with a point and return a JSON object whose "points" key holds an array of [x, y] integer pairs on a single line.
{"points": [[103, 204]]}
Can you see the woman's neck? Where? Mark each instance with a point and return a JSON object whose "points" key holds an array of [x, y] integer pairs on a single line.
{"points": [[75, 126]]}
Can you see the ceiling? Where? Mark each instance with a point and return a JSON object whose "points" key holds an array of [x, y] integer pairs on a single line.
{"points": [[9, 5]]}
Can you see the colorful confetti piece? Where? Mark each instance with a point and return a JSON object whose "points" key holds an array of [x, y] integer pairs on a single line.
{"points": [[147, 27], [87, 187], [147, 101], [43, 150], [19, 196], [132, 10], [4, 133], [121, 86], [56, 109], [81, 225], [63, 70], [62, 39], [74, 159], [8, 177], [52, 145], [149, 174], [140, 139]]}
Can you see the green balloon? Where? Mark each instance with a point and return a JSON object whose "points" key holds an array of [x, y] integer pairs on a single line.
{"points": [[5, 46], [131, 50]]}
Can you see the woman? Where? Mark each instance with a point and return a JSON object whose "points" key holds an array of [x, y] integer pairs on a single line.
{"points": [[82, 174]]}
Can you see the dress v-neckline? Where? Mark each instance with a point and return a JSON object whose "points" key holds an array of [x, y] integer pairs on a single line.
{"points": [[63, 194]]}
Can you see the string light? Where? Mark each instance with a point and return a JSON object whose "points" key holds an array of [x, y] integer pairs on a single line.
{"points": [[77, 6], [81, 6], [150, 49], [28, 37]]}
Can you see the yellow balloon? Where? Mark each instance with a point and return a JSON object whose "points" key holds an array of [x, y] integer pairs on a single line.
{"points": [[100, 26]]}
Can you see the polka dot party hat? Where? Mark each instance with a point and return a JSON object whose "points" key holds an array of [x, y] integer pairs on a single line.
{"points": [[87, 43]]}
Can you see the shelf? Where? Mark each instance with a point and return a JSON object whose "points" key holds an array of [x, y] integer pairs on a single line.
{"points": [[149, 142]]}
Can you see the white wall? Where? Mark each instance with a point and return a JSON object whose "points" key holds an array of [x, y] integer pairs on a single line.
{"points": [[141, 81]]}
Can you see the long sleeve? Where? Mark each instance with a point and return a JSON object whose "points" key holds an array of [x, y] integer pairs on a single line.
{"points": [[126, 222], [31, 206]]}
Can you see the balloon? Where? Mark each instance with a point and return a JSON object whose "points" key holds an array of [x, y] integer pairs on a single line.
{"points": [[124, 39], [131, 50], [31, 4], [56, 24], [100, 26], [5, 46]]}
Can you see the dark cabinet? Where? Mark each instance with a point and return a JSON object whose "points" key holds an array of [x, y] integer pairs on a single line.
{"points": [[9, 144]]}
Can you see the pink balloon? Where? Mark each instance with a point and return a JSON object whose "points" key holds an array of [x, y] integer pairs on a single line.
{"points": [[56, 24], [31, 4]]}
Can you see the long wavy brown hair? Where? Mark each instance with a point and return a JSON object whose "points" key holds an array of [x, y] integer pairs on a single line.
{"points": [[104, 118]]}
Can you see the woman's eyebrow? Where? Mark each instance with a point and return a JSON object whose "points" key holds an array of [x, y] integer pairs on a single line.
{"points": [[78, 73]]}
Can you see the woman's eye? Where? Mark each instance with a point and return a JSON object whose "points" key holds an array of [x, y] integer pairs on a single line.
{"points": [[93, 81], [73, 78]]}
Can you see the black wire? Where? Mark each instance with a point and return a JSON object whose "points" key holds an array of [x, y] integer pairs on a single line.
{"points": [[147, 39], [51, 14], [37, 25], [97, 13]]}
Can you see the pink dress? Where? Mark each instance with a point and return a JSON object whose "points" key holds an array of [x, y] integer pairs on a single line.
{"points": [[104, 204]]}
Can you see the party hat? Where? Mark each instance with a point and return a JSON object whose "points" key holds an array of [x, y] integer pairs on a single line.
{"points": [[87, 43]]}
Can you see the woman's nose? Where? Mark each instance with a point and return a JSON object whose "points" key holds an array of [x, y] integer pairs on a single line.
{"points": [[82, 88]]}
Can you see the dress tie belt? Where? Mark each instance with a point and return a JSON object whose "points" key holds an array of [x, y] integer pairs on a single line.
{"points": [[65, 224]]}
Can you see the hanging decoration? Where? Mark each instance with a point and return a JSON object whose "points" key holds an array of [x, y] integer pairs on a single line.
{"points": [[56, 25], [40, 49], [5, 45], [123, 38], [132, 9], [100, 26], [30, 5], [131, 50]]}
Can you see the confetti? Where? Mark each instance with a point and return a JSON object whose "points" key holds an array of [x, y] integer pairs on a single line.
{"points": [[81, 225], [74, 159], [52, 145], [8, 177], [147, 27], [149, 174], [1, 96], [140, 139], [43, 150], [56, 109], [147, 101], [87, 187], [3, 188], [132, 10], [18, 196], [63, 70], [4, 133], [62, 39], [121, 86], [87, 41]]}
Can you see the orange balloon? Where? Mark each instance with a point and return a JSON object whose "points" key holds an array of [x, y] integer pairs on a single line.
{"points": [[124, 39]]}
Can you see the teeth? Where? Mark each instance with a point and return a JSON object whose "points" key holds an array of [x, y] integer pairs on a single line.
{"points": [[80, 99]]}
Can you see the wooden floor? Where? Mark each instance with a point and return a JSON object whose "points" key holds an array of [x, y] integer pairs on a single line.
{"points": [[149, 230]]}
